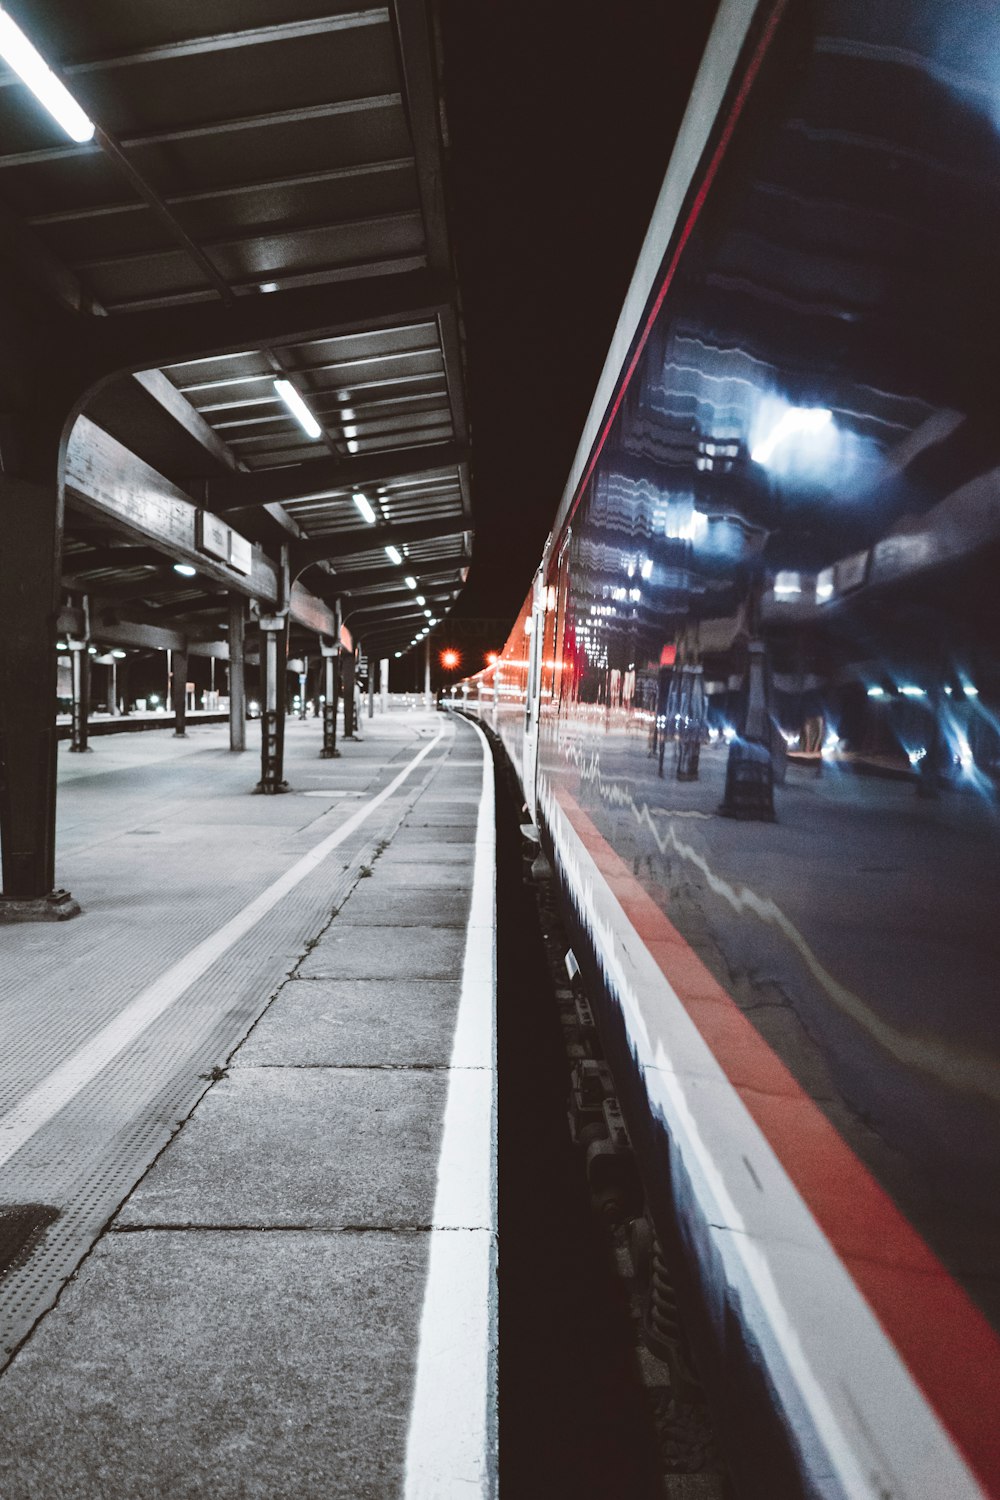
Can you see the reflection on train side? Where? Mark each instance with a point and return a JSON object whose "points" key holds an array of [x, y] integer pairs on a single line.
{"points": [[769, 635]]}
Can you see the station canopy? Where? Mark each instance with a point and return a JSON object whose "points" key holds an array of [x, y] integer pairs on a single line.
{"points": [[262, 201]]}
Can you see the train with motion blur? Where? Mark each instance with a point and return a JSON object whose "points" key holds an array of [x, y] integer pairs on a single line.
{"points": [[753, 701]]}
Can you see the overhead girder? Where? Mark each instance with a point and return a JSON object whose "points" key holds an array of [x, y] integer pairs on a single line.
{"points": [[403, 606], [350, 583], [321, 476], [368, 538], [157, 337]]}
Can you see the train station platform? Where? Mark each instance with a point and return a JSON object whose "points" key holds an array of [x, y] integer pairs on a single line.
{"points": [[247, 1137]]}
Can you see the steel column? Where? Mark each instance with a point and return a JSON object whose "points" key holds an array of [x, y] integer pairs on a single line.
{"points": [[237, 677], [31, 525], [80, 706], [274, 651], [330, 655], [178, 690], [349, 677]]}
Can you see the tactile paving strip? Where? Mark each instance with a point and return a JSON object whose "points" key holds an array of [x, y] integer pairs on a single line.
{"points": [[89, 1157]]}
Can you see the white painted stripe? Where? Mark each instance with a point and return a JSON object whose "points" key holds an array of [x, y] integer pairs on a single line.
{"points": [[451, 1448], [66, 1081]]}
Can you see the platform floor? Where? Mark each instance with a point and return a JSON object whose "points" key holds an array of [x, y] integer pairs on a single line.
{"points": [[254, 1085]]}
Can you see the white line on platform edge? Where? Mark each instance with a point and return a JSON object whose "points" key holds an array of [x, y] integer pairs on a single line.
{"points": [[451, 1446], [50, 1096]]}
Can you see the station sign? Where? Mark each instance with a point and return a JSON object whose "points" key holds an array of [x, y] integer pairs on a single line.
{"points": [[213, 536], [240, 553], [216, 539]]}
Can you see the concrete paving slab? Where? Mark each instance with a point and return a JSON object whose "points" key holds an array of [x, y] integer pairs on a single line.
{"points": [[416, 831], [355, 1023], [241, 1366], [427, 851], [371, 905], [347, 951], [401, 873], [321, 1147]]}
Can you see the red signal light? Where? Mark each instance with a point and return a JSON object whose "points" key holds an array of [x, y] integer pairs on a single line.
{"points": [[491, 658], [449, 659]]}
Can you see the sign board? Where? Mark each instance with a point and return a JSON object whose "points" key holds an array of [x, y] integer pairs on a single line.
{"points": [[240, 553], [212, 535]]}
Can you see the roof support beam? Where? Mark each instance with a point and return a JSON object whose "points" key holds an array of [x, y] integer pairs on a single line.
{"points": [[321, 476], [225, 41], [106, 479], [176, 335], [368, 539], [166, 395], [420, 92], [388, 578]]}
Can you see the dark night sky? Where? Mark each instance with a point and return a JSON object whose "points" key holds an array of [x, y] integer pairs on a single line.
{"points": [[562, 115]]}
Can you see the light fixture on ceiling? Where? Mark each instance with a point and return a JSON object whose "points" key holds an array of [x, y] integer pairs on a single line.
{"points": [[185, 570], [51, 92], [352, 445], [119, 655], [394, 555], [361, 501], [298, 408], [410, 581], [269, 286], [427, 614], [421, 600]]}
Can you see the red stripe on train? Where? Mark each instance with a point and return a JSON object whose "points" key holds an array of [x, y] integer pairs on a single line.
{"points": [[950, 1349]]}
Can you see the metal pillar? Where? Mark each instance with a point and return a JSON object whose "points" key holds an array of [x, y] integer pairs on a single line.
{"points": [[330, 655], [274, 651], [178, 688], [349, 675], [31, 525], [113, 688], [427, 672], [371, 688], [383, 682], [303, 684], [237, 677], [80, 707], [124, 686]]}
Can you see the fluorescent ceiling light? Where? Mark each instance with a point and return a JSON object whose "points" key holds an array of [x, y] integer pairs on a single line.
{"points": [[420, 599], [185, 570], [394, 555], [118, 654], [427, 614], [795, 420], [269, 286], [410, 582], [352, 445], [298, 408], [33, 70], [361, 501]]}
